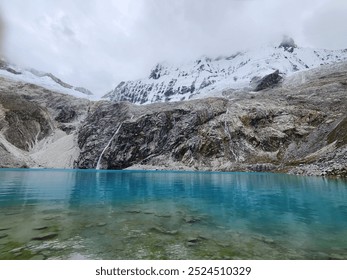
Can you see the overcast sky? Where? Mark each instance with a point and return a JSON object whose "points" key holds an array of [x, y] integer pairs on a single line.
{"points": [[97, 44]]}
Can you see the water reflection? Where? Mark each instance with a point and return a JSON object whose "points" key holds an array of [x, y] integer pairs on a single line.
{"points": [[258, 197], [297, 212]]}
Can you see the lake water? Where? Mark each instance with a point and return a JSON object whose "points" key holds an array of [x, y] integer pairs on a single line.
{"points": [[75, 214]]}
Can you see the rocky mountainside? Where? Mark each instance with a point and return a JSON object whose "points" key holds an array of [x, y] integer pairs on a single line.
{"points": [[211, 76], [299, 126], [46, 80], [38, 127]]}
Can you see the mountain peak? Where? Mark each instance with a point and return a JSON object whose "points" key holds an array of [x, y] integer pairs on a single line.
{"points": [[212, 76], [288, 44]]}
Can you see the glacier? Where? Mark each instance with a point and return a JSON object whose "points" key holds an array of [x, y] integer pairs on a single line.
{"points": [[206, 77]]}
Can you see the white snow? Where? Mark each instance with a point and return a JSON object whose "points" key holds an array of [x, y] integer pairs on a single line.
{"points": [[212, 76], [27, 76]]}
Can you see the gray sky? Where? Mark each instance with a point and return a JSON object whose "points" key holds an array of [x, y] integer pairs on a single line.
{"points": [[97, 44]]}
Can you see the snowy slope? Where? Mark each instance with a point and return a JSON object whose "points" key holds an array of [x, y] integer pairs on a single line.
{"points": [[210, 76], [46, 80]]}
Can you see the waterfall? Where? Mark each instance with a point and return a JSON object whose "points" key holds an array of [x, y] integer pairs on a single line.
{"points": [[98, 165]]}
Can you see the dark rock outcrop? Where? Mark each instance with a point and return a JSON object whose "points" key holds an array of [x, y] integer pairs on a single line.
{"points": [[25, 122], [161, 130], [268, 81], [295, 127]]}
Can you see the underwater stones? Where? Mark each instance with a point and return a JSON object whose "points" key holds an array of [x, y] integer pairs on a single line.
{"points": [[223, 244], [191, 219], [12, 213], [163, 231], [134, 211], [47, 236], [50, 218], [3, 235], [163, 215], [202, 237], [40, 228], [194, 240], [17, 250], [264, 239], [101, 224]]}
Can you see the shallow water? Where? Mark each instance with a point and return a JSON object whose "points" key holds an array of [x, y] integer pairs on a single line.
{"points": [[75, 214]]}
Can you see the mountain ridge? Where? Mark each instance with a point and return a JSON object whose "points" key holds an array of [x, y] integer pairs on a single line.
{"points": [[40, 78], [211, 76], [298, 127]]}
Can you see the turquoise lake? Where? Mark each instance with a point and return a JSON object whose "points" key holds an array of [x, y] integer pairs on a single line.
{"points": [[89, 214]]}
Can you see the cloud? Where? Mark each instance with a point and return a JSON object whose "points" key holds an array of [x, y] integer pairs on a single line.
{"points": [[327, 28], [97, 44]]}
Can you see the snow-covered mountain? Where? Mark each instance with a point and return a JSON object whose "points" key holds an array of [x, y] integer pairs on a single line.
{"points": [[211, 76], [45, 80]]}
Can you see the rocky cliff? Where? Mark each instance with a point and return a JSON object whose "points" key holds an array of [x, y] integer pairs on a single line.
{"points": [[299, 126], [38, 127]]}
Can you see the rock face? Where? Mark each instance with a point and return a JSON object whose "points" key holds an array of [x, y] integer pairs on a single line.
{"points": [[297, 127], [268, 81], [212, 76], [38, 126], [24, 122]]}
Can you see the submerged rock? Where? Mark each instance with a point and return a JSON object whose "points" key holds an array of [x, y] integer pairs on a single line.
{"points": [[17, 250], [46, 236], [193, 239], [40, 228], [192, 220], [3, 235], [163, 215], [163, 231], [135, 211], [101, 224]]}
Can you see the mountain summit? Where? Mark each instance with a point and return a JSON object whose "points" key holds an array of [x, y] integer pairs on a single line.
{"points": [[211, 76], [288, 44]]}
